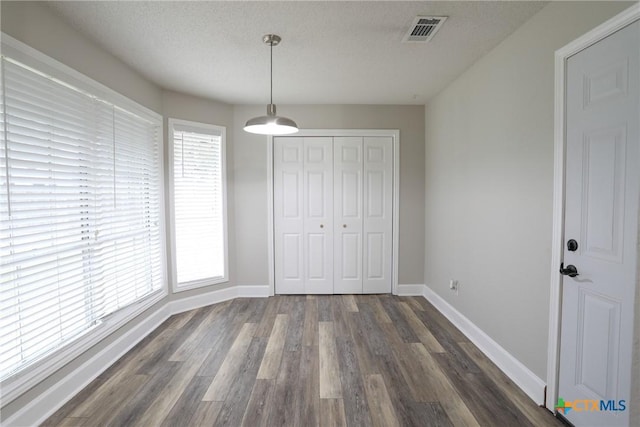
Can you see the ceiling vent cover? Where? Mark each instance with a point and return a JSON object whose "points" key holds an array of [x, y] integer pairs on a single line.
{"points": [[423, 29]]}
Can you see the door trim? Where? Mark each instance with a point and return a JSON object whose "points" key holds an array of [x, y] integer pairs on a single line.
{"points": [[395, 135], [609, 27]]}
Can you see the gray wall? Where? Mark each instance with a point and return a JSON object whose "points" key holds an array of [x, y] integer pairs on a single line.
{"points": [[635, 366], [489, 181], [250, 180]]}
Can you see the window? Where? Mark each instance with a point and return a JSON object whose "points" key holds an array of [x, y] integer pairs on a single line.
{"points": [[80, 211], [199, 204]]}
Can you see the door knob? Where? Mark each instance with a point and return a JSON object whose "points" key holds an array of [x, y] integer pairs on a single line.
{"points": [[344, 225], [570, 270], [321, 225]]}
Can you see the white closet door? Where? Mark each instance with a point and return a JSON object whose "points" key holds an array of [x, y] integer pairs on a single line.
{"points": [[348, 199], [378, 207], [318, 213], [289, 215]]}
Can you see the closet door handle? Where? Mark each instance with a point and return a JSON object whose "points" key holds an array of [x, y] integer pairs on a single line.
{"points": [[344, 225], [321, 225]]}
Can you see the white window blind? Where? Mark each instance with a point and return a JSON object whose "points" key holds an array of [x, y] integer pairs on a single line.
{"points": [[199, 204], [80, 235]]}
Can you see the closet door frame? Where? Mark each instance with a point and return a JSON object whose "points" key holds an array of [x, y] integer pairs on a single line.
{"points": [[395, 136]]}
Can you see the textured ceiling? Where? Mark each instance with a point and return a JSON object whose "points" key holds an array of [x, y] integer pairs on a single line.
{"points": [[332, 52]]}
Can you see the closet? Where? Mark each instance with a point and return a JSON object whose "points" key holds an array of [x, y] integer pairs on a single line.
{"points": [[333, 205]]}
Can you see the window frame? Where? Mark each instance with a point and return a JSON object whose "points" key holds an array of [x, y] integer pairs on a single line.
{"points": [[175, 286], [38, 371]]}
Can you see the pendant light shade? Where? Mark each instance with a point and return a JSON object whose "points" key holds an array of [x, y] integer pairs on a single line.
{"points": [[271, 124]]}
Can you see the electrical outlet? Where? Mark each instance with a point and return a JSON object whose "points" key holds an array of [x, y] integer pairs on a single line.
{"points": [[453, 285]]}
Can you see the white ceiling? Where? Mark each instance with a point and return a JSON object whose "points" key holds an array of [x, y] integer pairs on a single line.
{"points": [[332, 52]]}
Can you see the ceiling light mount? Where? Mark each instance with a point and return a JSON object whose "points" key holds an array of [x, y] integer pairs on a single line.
{"points": [[271, 124], [271, 39]]}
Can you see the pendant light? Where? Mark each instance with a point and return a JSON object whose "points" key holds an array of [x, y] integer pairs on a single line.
{"points": [[271, 124]]}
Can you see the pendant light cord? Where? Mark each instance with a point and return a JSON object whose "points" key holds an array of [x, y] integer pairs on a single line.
{"points": [[271, 123]]}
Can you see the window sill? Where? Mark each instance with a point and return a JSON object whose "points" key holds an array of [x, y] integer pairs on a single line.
{"points": [[203, 283]]}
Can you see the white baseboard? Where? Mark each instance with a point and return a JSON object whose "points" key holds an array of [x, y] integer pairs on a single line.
{"points": [[529, 382], [52, 399], [410, 290], [253, 291]]}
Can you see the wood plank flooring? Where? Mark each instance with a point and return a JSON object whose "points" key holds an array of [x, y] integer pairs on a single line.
{"points": [[344, 360]]}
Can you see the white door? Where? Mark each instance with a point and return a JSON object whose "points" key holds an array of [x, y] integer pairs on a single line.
{"points": [[318, 212], [601, 216], [288, 210], [378, 210], [348, 199]]}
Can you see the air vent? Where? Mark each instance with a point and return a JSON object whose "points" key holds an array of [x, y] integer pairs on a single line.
{"points": [[423, 29]]}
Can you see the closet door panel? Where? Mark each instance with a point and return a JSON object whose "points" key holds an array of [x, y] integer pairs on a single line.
{"points": [[348, 215], [378, 209], [289, 215], [375, 256], [318, 215]]}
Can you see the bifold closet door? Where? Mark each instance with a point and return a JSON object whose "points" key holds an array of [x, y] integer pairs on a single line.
{"points": [[363, 185], [378, 215], [303, 215], [333, 214], [288, 214], [347, 232], [318, 212]]}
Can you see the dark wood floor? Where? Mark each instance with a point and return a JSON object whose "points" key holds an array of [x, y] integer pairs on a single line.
{"points": [[305, 361]]}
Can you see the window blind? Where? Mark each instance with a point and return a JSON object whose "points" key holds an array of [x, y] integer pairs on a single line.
{"points": [[80, 183], [198, 204]]}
